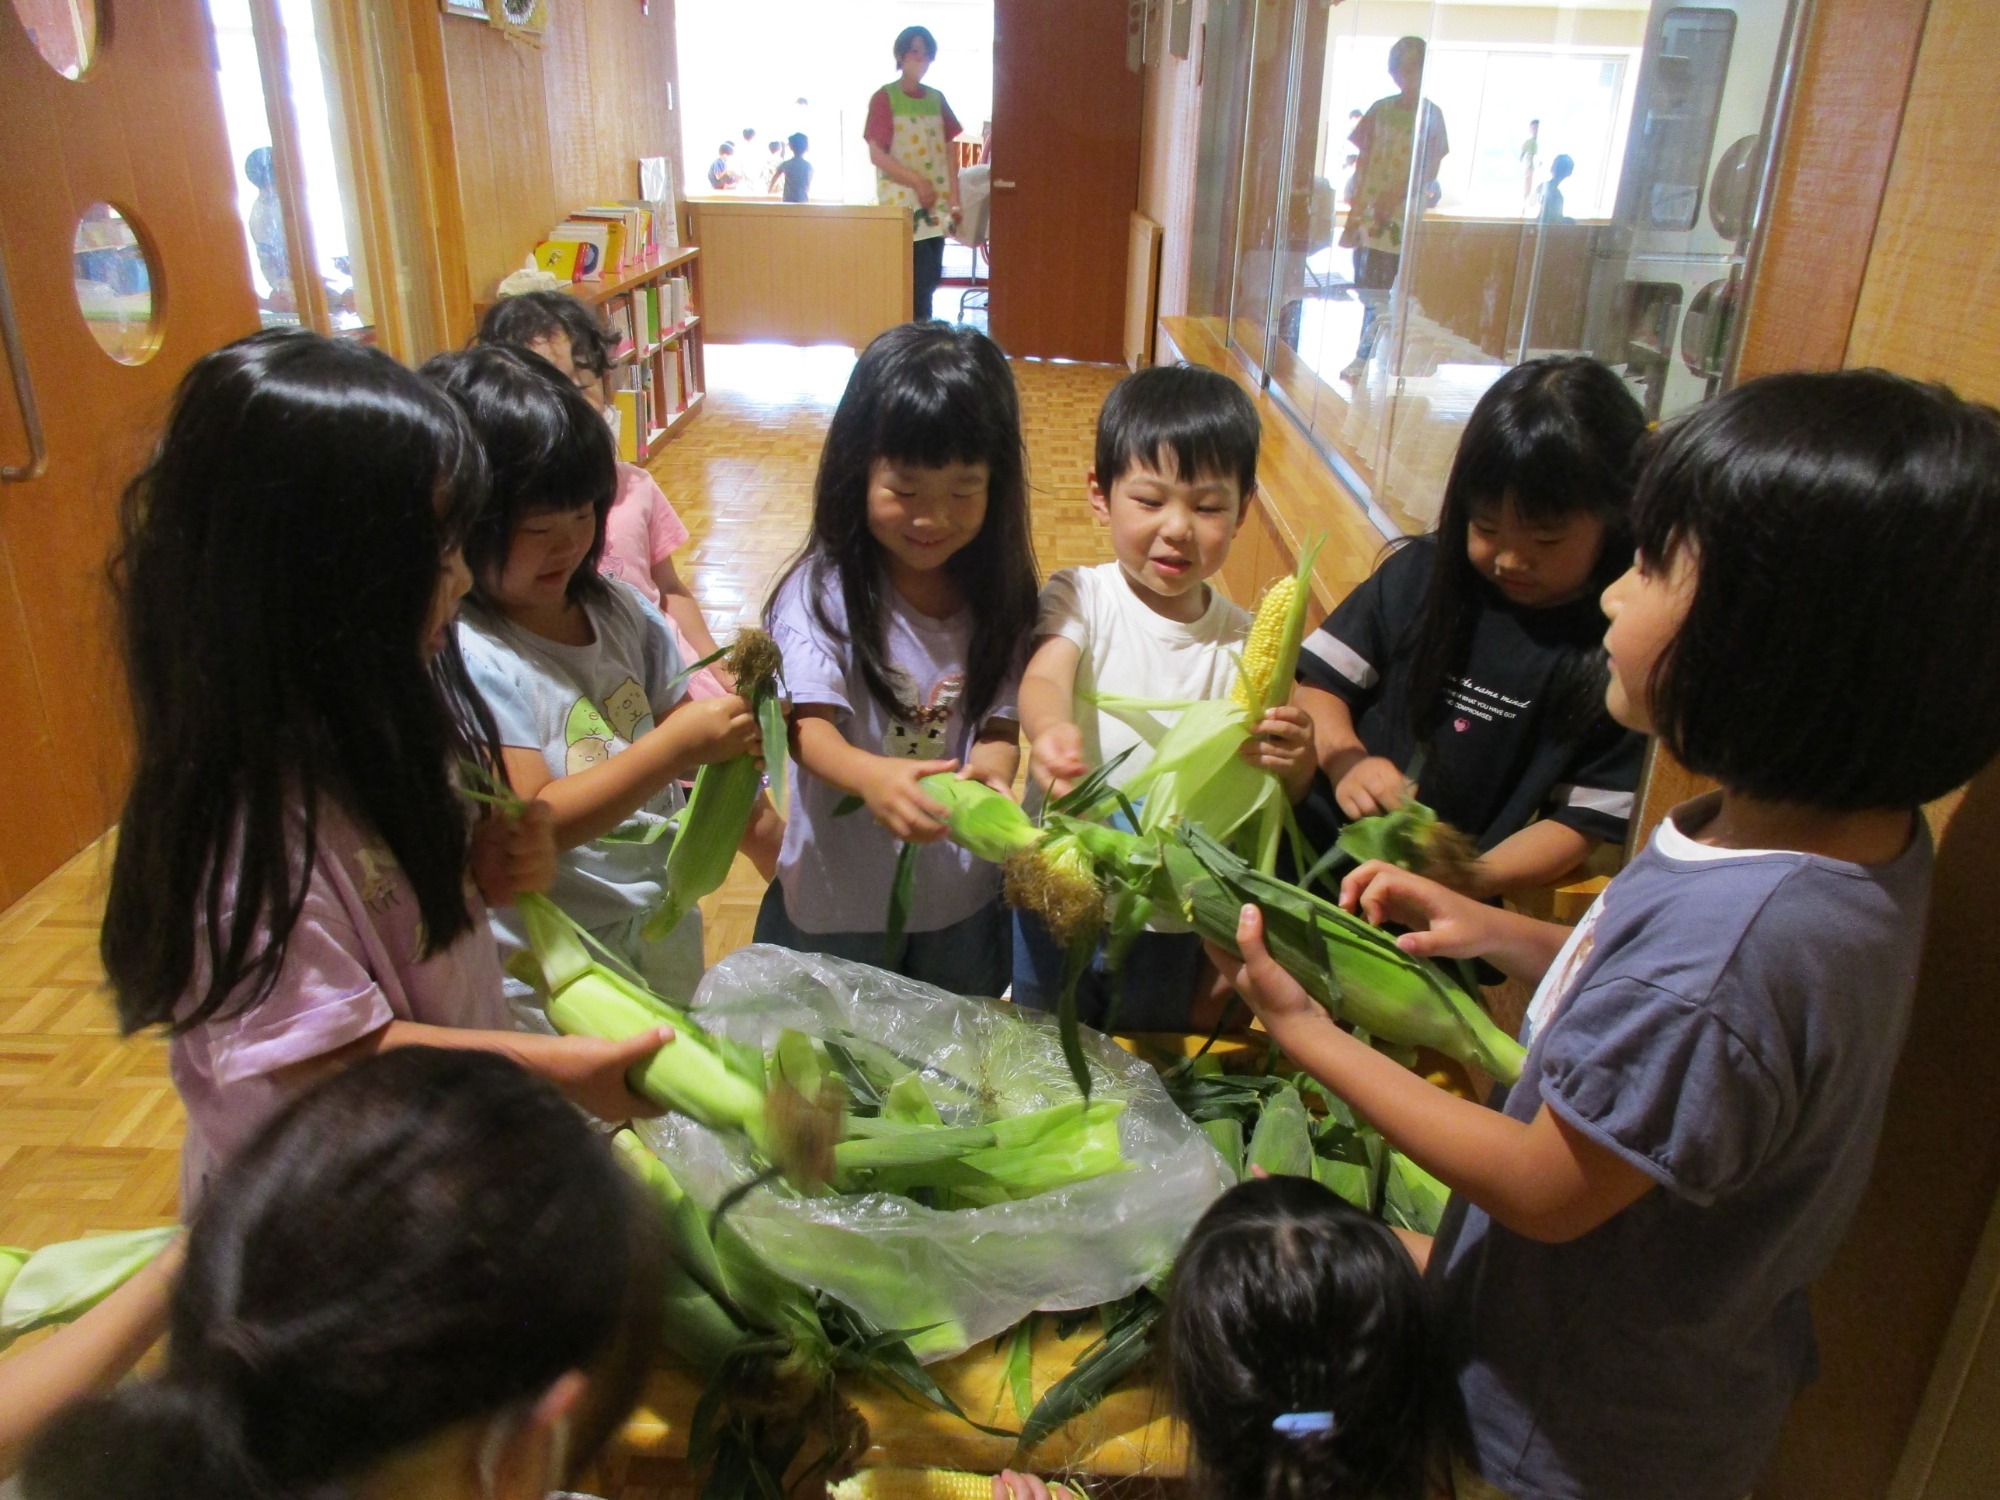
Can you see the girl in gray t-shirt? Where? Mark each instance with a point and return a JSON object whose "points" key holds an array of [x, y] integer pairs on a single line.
{"points": [[1621, 1275]]}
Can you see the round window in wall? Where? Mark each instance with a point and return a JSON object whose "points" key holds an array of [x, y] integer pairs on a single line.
{"points": [[115, 285], [63, 31]]}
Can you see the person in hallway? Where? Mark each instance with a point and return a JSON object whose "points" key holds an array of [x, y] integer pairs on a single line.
{"points": [[910, 131], [1552, 191], [722, 173], [795, 174], [776, 159], [267, 229], [1396, 131]]}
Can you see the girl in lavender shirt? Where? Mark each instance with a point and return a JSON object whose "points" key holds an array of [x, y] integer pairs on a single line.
{"points": [[903, 627], [298, 882]]}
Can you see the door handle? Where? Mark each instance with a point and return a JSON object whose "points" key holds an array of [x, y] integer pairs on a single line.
{"points": [[24, 392], [1001, 182]]}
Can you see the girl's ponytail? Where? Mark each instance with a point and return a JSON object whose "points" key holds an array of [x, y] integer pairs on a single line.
{"points": [[1298, 1350]]}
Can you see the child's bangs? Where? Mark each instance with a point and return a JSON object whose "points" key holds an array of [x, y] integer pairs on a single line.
{"points": [[945, 419]]}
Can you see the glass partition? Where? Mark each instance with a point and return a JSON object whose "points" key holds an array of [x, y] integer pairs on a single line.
{"points": [[1426, 194]]}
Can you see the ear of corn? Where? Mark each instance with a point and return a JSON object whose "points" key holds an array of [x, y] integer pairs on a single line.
{"points": [[63, 1281], [719, 808], [1271, 654], [1411, 837], [1352, 968], [985, 822], [923, 1484], [1226, 1135], [1414, 1199]]}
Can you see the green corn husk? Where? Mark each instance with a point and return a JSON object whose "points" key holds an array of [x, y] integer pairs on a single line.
{"points": [[1411, 837], [1282, 1142], [986, 822], [1413, 1198], [1351, 967], [63, 1281], [719, 808], [692, 1074], [1226, 1135]]}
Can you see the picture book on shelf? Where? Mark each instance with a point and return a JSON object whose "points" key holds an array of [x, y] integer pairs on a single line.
{"points": [[558, 258]]}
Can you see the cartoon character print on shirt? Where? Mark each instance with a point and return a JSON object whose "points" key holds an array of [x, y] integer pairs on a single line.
{"points": [[918, 730], [593, 735]]}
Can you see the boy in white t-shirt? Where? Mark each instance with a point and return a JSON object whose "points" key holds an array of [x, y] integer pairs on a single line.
{"points": [[1176, 466]]}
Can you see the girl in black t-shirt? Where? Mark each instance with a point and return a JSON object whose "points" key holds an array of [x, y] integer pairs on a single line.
{"points": [[1470, 662]]}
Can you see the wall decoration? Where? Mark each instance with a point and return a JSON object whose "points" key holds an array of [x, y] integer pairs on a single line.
{"points": [[472, 9], [522, 18]]}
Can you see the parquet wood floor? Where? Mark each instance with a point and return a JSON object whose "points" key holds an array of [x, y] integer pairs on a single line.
{"points": [[89, 1125]]}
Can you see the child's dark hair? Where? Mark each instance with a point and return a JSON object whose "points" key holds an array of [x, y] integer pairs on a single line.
{"points": [[1842, 647], [533, 316], [1286, 1299], [798, 142], [427, 1238], [909, 37], [1198, 418], [927, 394], [547, 449], [1554, 438], [279, 560]]}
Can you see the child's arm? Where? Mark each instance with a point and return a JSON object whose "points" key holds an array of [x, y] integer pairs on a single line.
{"points": [[996, 756], [594, 801], [1283, 745], [1545, 1180], [588, 1071], [887, 783], [1048, 705], [85, 1357], [684, 610], [1363, 784], [1538, 855]]}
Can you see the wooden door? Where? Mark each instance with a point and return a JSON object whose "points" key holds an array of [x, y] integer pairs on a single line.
{"points": [[141, 130], [1066, 115]]}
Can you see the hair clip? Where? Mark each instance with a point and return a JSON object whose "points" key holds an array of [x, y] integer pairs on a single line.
{"points": [[1302, 1423]]}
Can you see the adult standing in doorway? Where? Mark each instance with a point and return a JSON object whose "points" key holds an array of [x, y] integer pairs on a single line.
{"points": [[1394, 133], [910, 131]]}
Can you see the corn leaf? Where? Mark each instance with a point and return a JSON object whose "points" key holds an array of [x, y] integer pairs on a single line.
{"points": [[63, 1281], [1282, 1141], [1127, 1339], [1083, 799], [1021, 1367], [771, 725], [900, 890]]}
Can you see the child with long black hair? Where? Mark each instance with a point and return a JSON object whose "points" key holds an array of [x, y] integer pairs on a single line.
{"points": [[1469, 662], [581, 674], [426, 1276], [291, 887], [904, 627], [1622, 1270], [1298, 1353]]}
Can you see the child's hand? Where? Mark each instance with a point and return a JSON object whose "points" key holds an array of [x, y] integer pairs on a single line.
{"points": [[1445, 924], [1056, 758], [1010, 1485], [724, 728], [899, 804], [1282, 743], [987, 776], [591, 1072], [1273, 994], [1372, 786], [511, 855]]}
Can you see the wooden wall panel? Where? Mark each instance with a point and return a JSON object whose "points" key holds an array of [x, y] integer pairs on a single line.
{"points": [[538, 131], [800, 273], [1841, 139], [1931, 303]]}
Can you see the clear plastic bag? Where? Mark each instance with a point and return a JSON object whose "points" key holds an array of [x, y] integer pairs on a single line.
{"points": [[967, 1274]]}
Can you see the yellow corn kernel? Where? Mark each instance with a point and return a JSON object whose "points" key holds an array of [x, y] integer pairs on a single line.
{"points": [[921, 1484], [1252, 692]]}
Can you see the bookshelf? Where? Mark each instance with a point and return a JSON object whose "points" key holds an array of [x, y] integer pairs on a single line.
{"points": [[658, 381]]}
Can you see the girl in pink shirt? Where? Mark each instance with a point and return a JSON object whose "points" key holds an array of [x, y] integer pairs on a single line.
{"points": [[298, 881]]}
